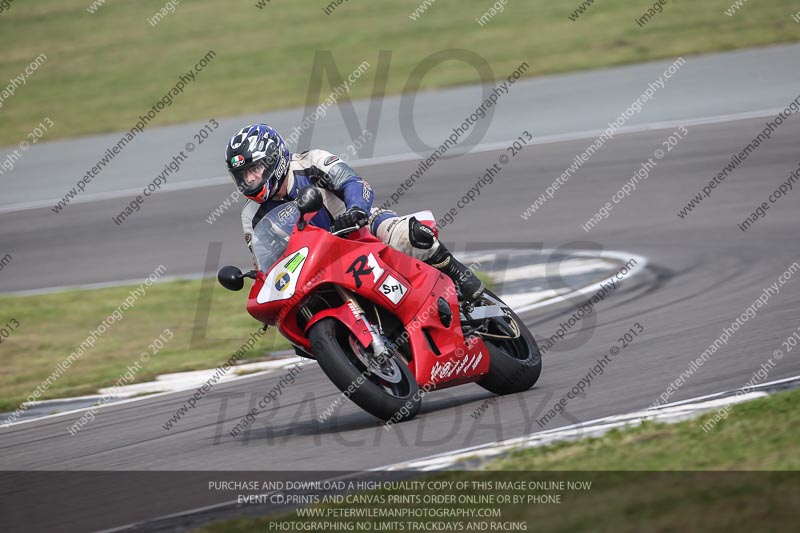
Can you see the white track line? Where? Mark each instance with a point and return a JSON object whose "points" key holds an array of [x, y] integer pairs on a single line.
{"points": [[413, 156], [590, 290], [103, 285], [137, 399]]}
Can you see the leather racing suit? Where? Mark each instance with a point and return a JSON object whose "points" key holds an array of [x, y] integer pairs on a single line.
{"points": [[342, 188]]}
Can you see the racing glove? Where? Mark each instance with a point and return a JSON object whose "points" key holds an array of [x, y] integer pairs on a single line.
{"points": [[352, 217]]}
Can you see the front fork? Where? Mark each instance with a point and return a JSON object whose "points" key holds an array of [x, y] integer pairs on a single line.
{"points": [[378, 346]]}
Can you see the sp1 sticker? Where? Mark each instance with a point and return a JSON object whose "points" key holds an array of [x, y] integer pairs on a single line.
{"points": [[392, 289]]}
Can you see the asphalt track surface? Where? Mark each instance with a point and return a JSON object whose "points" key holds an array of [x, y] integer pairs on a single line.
{"points": [[703, 273]]}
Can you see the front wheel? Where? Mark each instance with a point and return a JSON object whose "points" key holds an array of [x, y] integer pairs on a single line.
{"points": [[387, 390], [515, 359]]}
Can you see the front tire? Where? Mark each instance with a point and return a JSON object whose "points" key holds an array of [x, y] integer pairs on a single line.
{"points": [[397, 399], [515, 363]]}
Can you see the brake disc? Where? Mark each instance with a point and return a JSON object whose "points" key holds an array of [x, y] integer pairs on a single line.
{"points": [[388, 370]]}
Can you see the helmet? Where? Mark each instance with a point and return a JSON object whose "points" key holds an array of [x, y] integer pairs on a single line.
{"points": [[260, 146]]}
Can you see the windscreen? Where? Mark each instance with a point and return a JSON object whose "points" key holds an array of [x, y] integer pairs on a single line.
{"points": [[271, 234]]}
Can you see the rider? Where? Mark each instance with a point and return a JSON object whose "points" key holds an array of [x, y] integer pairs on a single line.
{"points": [[269, 175]]}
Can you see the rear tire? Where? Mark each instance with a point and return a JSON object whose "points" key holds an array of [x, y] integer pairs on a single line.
{"points": [[386, 400], [515, 364]]}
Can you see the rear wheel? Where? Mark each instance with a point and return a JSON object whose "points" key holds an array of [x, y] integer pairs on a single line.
{"points": [[515, 359], [385, 389]]}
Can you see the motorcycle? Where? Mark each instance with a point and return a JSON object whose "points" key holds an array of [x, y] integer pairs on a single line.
{"points": [[384, 327]]}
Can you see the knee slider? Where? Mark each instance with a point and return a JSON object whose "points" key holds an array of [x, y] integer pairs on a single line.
{"points": [[420, 235]]}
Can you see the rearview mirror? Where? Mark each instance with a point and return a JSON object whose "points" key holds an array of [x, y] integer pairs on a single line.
{"points": [[309, 199], [231, 278]]}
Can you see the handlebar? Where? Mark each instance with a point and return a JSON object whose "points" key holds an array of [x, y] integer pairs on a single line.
{"points": [[361, 224]]}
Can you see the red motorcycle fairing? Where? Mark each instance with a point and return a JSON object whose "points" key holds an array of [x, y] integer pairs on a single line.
{"points": [[347, 316], [406, 287]]}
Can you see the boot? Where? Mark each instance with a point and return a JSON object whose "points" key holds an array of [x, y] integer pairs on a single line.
{"points": [[471, 287]]}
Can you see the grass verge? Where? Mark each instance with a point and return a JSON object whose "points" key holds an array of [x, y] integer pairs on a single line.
{"points": [[52, 326], [104, 69]]}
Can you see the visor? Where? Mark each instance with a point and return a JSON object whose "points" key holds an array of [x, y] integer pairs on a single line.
{"points": [[251, 178]]}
